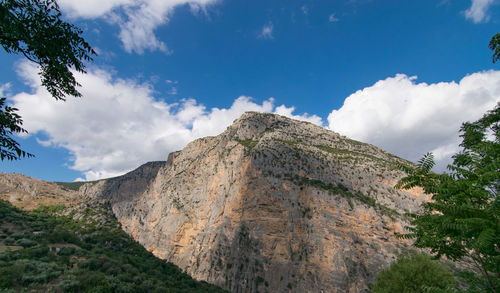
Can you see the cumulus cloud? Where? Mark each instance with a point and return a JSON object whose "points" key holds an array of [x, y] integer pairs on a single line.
{"points": [[266, 31], [287, 111], [478, 11], [409, 118], [118, 124], [137, 19]]}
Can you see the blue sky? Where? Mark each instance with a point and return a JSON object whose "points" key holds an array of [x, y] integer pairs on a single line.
{"points": [[402, 75]]}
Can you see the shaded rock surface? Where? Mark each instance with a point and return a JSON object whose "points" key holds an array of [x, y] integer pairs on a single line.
{"points": [[270, 205], [123, 188]]}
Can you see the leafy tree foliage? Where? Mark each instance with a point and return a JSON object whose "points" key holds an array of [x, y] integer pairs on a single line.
{"points": [[34, 29], [11, 123], [42, 251], [463, 220], [494, 45], [414, 274]]}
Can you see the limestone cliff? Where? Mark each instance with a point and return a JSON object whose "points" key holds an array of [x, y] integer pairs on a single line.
{"points": [[270, 205]]}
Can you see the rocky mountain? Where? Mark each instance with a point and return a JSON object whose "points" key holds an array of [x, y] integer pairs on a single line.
{"points": [[270, 205]]}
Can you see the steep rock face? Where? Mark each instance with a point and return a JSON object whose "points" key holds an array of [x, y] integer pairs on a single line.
{"points": [[125, 188], [272, 204]]}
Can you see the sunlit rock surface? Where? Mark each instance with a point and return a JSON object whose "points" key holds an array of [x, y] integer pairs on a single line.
{"points": [[270, 205]]}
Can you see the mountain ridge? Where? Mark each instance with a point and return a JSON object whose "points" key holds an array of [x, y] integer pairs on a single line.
{"points": [[271, 204], [274, 204]]}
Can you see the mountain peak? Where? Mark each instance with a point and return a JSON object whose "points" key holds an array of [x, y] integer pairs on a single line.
{"points": [[271, 204], [269, 120]]}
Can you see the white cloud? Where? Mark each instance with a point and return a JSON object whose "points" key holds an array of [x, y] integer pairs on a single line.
{"points": [[332, 18], [118, 124], [91, 8], [4, 88], [137, 19], [409, 119], [287, 111], [267, 31], [478, 11]]}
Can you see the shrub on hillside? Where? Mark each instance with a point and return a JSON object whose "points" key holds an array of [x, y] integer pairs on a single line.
{"points": [[26, 243], [414, 274]]}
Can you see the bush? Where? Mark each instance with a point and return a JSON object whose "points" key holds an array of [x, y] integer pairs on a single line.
{"points": [[26, 243], [5, 277], [69, 285], [37, 272], [17, 236], [92, 281], [93, 263], [36, 252], [67, 251], [412, 274], [9, 241], [62, 236]]}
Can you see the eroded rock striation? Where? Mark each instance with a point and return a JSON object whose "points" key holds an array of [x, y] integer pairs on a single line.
{"points": [[270, 205]]}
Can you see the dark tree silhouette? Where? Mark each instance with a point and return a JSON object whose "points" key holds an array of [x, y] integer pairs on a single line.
{"points": [[34, 29]]}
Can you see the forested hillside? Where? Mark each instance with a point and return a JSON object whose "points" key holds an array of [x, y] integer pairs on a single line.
{"points": [[48, 250]]}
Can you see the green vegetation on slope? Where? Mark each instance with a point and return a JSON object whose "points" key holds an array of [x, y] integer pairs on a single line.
{"points": [[248, 143], [77, 184], [414, 274], [41, 251], [343, 191]]}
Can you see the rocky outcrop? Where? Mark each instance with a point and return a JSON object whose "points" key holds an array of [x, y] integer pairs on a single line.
{"points": [[125, 188], [270, 205], [29, 193]]}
